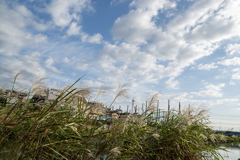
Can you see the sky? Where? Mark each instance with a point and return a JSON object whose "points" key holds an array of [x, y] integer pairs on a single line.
{"points": [[188, 51]]}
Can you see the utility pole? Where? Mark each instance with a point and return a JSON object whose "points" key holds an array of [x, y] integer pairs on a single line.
{"points": [[127, 108]]}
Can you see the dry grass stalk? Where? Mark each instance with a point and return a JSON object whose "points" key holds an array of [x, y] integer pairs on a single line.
{"points": [[46, 134], [38, 84], [152, 103], [121, 93], [115, 151]]}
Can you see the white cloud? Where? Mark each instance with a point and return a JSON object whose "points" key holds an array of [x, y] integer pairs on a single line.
{"points": [[145, 47], [66, 60], [171, 83], [14, 35], [93, 84], [222, 18], [138, 28], [68, 13], [83, 64], [74, 29], [63, 12], [96, 38], [49, 64], [151, 51], [211, 91], [152, 4], [222, 101], [206, 66], [236, 76], [131, 62], [186, 99], [29, 64], [228, 62], [191, 16], [182, 97], [233, 49]]}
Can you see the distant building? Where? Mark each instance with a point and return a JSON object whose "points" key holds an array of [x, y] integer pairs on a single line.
{"points": [[12, 97], [52, 95]]}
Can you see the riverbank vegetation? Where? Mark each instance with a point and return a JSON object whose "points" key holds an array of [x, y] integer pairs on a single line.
{"points": [[46, 133]]}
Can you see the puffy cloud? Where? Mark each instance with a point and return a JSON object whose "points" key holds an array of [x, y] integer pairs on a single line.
{"points": [[153, 5], [63, 12], [49, 64], [66, 60], [131, 62], [233, 49], [74, 29], [189, 18], [96, 38], [14, 35], [138, 26], [30, 65], [221, 18], [236, 76], [206, 66], [68, 13], [171, 83], [211, 91], [228, 62]]}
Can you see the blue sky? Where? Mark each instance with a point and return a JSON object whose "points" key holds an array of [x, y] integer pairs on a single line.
{"points": [[187, 50]]}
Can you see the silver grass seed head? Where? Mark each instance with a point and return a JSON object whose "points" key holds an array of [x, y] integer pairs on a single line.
{"points": [[156, 136], [115, 151], [213, 138], [203, 136]]}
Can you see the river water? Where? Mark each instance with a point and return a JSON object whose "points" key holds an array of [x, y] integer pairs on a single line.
{"points": [[233, 151]]}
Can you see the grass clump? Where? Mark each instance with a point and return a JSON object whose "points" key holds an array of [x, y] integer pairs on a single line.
{"points": [[48, 133]]}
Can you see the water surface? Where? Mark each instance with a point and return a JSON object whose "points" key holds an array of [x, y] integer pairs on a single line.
{"points": [[233, 151]]}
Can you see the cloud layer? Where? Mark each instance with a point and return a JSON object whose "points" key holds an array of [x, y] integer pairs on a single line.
{"points": [[188, 49]]}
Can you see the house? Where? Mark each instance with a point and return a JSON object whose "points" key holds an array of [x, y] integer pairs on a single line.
{"points": [[52, 95], [11, 96]]}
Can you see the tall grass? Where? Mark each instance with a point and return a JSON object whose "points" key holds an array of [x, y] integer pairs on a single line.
{"points": [[46, 133]]}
